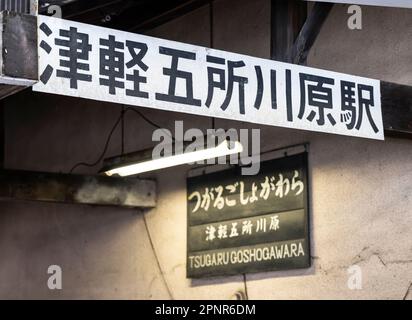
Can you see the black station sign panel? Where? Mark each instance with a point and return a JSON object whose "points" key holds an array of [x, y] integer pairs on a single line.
{"points": [[244, 224]]}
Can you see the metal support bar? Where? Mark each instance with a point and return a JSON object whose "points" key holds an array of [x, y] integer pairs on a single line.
{"points": [[18, 52], [77, 189]]}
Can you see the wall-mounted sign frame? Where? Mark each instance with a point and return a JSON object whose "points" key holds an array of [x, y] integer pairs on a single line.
{"points": [[244, 224], [87, 61]]}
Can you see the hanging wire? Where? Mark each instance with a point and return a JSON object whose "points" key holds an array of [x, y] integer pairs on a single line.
{"points": [[169, 292], [106, 145], [122, 137], [109, 137], [149, 121], [211, 42], [245, 286]]}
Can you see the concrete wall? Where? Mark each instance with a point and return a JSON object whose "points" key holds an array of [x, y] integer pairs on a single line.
{"points": [[361, 190]]}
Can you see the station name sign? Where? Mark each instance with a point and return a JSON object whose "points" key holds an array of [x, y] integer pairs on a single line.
{"points": [[97, 63], [243, 224]]}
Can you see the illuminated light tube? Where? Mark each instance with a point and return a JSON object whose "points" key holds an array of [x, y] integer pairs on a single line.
{"points": [[225, 148]]}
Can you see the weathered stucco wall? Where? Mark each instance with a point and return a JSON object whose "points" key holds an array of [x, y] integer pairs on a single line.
{"points": [[361, 190]]}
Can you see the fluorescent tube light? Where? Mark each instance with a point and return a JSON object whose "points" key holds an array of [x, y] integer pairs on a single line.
{"points": [[225, 148]]}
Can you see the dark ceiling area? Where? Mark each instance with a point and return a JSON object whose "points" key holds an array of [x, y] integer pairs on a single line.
{"points": [[127, 15]]}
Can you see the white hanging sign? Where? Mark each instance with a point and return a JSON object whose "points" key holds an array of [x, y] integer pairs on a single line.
{"points": [[97, 63]]}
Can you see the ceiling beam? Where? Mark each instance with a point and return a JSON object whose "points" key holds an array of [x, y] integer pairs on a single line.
{"points": [[287, 19], [79, 8], [168, 15], [77, 189], [396, 109], [309, 32], [76, 7]]}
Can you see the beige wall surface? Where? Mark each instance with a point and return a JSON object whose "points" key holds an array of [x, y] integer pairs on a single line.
{"points": [[361, 190]]}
